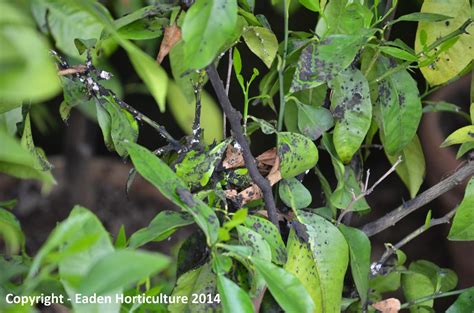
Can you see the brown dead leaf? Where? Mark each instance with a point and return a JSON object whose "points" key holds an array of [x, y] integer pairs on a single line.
{"points": [[171, 36], [268, 157], [233, 158], [72, 70], [275, 175], [391, 305]]}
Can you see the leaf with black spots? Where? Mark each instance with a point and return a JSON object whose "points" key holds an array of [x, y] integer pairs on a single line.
{"points": [[352, 110], [297, 154], [294, 194]]}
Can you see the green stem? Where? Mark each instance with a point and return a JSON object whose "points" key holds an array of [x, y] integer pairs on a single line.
{"points": [[281, 70], [433, 296], [246, 110]]}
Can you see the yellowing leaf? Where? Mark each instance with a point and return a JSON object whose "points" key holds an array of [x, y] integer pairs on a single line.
{"points": [[462, 135], [451, 62]]}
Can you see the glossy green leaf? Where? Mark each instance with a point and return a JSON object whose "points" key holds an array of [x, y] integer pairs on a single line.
{"points": [[294, 194], [400, 106], [412, 168], [415, 286], [398, 53], [183, 111], [352, 110], [272, 236], [313, 121], [258, 245], [312, 5], [464, 303], [162, 226], [10, 232], [297, 154], [287, 290], [261, 41], [162, 177], [331, 256], [198, 281], [451, 62], [234, 299], [359, 250], [422, 17], [206, 28], [462, 135], [463, 228], [120, 269], [24, 78], [321, 62]]}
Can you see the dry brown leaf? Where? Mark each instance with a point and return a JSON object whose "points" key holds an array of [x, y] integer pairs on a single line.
{"points": [[268, 157], [275, 175], [391, 305], [171, 36], [233, 158]]}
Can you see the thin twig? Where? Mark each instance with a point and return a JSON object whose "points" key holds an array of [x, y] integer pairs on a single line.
{"points": [[434, 296], [433, 222], [390, 18], [227, 89], [391, 218], [235, 118], [367, 191]]}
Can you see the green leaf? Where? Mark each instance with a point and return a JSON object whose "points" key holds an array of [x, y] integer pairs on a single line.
{"points": [[462, 135], [344, 17], [287, 290], [261, 41], [139, 25], [347, 186], [123, 127], [206, 28], [313, 121], [385, 283], [24, 78], [321, 62], [121, 239], [443, 106], [451, 62], [422, 17], [63, 19], [398, 53], [162, 226], [443, 279], [294, 194], [266, 127], [162, 177], [153, 75], [412, 168], [400, 106], [258, 245], [331, 256], [312, 5], [352, 109], [415, 286], [41, 163], [297, 154], [198, 281], [10, 232], [272, 236], [464, 148], [183, 111], [359, 250], [301, 264], [463, 228], [234, 299], [463, 303], [17, 161], [120, 269]]}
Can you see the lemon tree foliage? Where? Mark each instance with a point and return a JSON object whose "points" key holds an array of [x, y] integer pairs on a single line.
{"points": [[263, 239]]}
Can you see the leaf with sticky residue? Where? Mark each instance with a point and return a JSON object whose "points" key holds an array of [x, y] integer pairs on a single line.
{"points": [[352, 110], [162, 177], [261, 41], [297, 154], [412, 168], [271, 234], [301, 264], [462, 135], [321, 62], [400, 107], [359, 249], [455, 59], [294, 194], [331, 257], [313, 121]]}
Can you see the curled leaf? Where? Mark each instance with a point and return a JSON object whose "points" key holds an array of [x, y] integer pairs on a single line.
{"points": [[391, 305], [171, 37]]}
